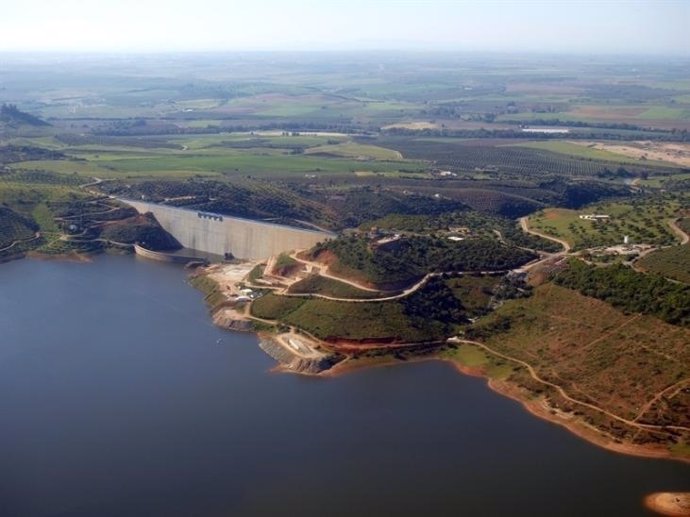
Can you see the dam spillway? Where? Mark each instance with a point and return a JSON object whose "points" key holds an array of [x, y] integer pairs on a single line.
{"points": [[220, 234]]}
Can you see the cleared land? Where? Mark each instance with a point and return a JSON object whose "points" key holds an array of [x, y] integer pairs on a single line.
{"points": [[608, 152], [643, 221], [675, 153], [625, 376]]}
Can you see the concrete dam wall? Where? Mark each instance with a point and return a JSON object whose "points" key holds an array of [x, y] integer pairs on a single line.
{"points": [[220, 234]]}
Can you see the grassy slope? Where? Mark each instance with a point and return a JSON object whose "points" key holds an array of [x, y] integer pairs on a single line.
{"points": [[644, 223], [184, 156], [327, 319], [331, 320], [597, 354], [327, 286], [671, 262], [353, 150], [14, 227]]}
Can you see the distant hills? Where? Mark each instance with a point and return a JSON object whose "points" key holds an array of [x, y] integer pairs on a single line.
{"points": [[13, 116]]}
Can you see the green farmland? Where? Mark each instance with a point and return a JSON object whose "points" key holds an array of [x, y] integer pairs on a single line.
{"points": [[644, 222]]}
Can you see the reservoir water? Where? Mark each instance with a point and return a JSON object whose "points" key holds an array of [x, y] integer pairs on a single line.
{"points": [[119, 398]]}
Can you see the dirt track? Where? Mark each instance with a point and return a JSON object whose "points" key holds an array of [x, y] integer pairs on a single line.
{"points": [[533, 373], [524, 224], [684, 237]]}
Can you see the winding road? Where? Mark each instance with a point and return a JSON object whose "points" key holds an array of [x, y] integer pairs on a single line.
{"points": [[524, 224], [37, 235], [684, 237]]}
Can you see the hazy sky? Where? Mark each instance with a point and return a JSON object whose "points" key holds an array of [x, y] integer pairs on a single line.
{"points": [[604, 26]]}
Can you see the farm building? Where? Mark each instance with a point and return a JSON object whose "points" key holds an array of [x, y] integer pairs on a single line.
{"points": [[595, 217]]}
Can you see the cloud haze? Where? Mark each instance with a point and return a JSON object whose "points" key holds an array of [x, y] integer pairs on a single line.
{"points": [[624, 26]]}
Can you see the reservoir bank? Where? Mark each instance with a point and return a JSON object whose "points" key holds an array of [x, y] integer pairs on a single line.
{"points": [[120, 397]]}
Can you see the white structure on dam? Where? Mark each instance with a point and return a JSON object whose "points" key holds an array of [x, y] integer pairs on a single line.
{"points": [[221, 234]]}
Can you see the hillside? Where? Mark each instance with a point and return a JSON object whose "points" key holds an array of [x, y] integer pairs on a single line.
{"points": [[622, 373], [142, 229], [673, 262], [21, 153], [430, 314], [241, 197], [14, 227], [400, 262], [630, 291], [12, 116]]}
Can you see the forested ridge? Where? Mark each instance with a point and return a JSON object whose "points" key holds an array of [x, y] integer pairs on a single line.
{"points": [[415, 256], [629, 290]]}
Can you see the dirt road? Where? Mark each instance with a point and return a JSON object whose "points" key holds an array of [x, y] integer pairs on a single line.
{"points": [[524, 224]]}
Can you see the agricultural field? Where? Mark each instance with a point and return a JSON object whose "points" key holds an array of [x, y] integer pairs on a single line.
{"points": [[382, 136], [611, 153], [268, 156], [642, 114], [644, 221], [351, 93], [357, 151], [647, 151], [527, 159]]}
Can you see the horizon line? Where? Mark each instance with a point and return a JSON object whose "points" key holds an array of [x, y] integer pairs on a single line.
{"points": [[363, 50]]}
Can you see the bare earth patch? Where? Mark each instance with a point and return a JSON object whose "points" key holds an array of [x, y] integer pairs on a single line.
{"points": [[416, 126], [676, 153], [669, 503], [228, 275]]}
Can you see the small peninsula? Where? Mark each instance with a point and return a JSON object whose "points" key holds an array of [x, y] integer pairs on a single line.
{"points": [[521, 318]]}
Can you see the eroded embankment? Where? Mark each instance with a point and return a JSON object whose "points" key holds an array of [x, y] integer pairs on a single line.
{"points": [[541, 407], [293, 362]]}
